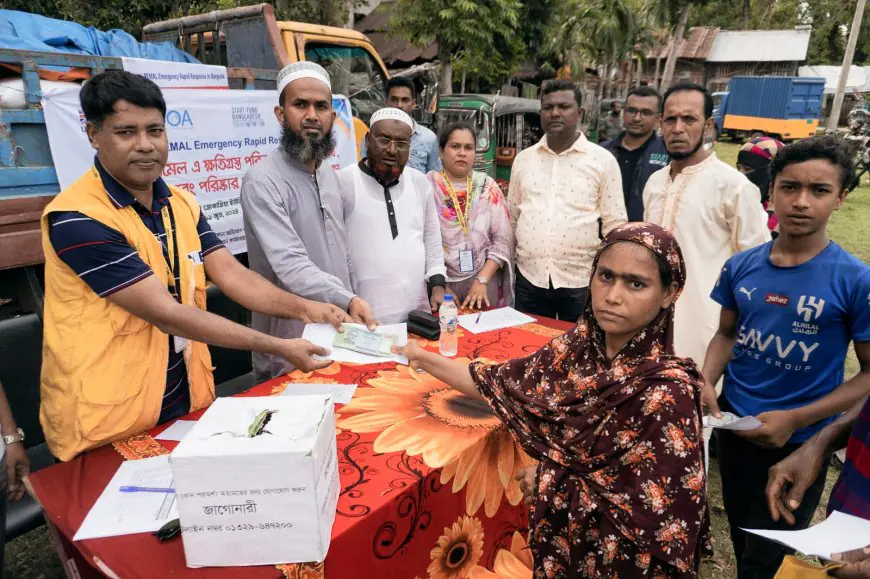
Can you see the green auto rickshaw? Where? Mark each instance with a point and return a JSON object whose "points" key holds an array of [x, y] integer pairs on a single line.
{"points": [[505, 126]]}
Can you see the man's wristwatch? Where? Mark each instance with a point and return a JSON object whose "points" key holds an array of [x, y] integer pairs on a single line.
{"points": [[482, 279], [13, 438]]}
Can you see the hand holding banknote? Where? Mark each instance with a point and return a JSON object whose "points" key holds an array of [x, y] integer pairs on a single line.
{"points": [[317, 313], [365, 342], [361, 313], [301, 354]]}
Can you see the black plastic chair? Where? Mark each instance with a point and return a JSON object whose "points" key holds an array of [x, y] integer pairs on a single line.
{"points": [[20, 363]]}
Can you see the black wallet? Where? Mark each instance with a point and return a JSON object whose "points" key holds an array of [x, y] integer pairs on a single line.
{"points": [[423, 331], [424, 324], [424, 320]]}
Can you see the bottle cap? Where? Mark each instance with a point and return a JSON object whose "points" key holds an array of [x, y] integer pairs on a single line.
{"points": [[448, 298]]}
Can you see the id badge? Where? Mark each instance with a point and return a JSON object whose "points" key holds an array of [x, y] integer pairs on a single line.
{"points": [[466, 261], [180, 343]]}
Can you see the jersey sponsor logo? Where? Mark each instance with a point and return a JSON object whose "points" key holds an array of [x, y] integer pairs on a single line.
{"points": [[747, 293], [776, 300], [775, 351], [810, 308]]}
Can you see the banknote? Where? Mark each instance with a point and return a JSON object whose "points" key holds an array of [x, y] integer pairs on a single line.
{"points": [[366, 342]]}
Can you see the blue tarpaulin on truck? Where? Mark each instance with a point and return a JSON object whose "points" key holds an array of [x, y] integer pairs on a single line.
{"points": [[24, 31]]}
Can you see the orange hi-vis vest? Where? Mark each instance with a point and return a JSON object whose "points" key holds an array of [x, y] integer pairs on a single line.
{"points": [[104, 369]]}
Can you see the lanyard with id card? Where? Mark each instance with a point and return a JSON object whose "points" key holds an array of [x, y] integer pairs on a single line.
{"points": [[172, 266], [466, 256]]}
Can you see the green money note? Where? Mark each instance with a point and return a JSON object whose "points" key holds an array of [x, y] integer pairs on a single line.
{"points": [[365, 342]]}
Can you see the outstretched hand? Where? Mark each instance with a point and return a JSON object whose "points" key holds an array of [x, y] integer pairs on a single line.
{"points": [[412, 351], [301, 354]]}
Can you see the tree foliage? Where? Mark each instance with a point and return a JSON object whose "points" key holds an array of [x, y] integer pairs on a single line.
{"points": [[477, 34], [133, 15]]}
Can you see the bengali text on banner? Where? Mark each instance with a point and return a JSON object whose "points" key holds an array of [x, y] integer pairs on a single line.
{"points": [[215, 137]]}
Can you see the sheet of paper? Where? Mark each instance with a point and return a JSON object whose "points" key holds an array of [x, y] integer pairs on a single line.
{"points": [[731, 421], [177, 431], [839, 533], [341, 393], [324, 334], [116, 513], [494, 320]]}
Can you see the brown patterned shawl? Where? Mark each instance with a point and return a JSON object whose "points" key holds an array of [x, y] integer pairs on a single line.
{"points": [[621, 489]]}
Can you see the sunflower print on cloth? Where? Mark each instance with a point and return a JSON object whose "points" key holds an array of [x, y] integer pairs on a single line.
{"points": [[419, 414], [621, 486], [458, 550]]}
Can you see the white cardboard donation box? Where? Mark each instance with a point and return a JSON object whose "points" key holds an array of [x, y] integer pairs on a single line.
{"points": [[258, 500]]}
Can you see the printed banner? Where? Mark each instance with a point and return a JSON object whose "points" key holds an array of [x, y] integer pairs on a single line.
{"points": [[167, 74], [215, 137]]}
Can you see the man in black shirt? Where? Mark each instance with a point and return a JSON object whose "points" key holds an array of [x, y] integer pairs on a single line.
{"points": [[639, 150]]}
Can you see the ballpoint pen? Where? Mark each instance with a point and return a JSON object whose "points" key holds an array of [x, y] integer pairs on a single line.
{"points": [[477, 321], [133, 489]]}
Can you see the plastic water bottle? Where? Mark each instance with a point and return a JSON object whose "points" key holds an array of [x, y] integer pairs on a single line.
{"points": [[448, 344]]}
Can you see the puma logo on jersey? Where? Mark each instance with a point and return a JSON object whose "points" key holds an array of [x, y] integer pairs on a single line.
{"points": [[747, 293]]}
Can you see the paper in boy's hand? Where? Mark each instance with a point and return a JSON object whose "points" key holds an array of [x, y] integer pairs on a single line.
{"points": [[730, 421], [365, 342]]}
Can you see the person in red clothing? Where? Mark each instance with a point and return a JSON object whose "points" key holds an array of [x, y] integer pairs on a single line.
{"points": [[789, 480]]}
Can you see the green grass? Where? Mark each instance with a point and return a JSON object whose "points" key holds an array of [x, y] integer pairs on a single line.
{"points": [[32, 556]]}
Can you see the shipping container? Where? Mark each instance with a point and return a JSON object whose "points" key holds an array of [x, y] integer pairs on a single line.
{"points": [[786, 108]]}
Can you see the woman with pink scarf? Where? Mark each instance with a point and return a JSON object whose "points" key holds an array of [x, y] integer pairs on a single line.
{"points": [[475, 225]]}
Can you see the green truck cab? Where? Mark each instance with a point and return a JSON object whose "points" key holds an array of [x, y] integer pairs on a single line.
{"points": [[505, 126]]}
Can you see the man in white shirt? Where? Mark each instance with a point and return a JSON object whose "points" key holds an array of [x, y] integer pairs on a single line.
{"points": [[560, 189], [394, 236], [711, 209]]}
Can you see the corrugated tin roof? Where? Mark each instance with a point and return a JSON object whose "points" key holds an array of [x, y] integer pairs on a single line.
{"points": [[395, 51], [858, 80], [761, 46], [696, 46]]}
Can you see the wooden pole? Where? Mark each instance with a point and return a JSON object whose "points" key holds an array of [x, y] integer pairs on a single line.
{"points": [[834, 119]]}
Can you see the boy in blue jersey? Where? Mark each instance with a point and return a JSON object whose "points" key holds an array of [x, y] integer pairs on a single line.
{"points": [[790, 309]]}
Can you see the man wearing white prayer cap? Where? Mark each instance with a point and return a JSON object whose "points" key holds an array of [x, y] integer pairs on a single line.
{"points": [[425, 153], [393, 230], [294, 211]]}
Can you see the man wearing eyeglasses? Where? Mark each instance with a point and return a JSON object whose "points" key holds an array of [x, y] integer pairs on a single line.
{"points": [[639, 150], [394, 236]]}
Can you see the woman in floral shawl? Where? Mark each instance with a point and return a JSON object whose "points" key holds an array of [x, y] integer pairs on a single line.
{"points": [[475, 225], [613, 416]]}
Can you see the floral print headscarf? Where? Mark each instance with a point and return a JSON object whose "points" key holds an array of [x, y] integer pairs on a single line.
{"points": [[621, 486]]}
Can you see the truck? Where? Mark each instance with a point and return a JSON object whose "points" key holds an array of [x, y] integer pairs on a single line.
{"points": [[783, 107], [249, 41], [253, 46], [251, 38]]}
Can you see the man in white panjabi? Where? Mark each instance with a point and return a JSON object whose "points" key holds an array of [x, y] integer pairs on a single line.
{"points": [[394, 236], [711, 209]]}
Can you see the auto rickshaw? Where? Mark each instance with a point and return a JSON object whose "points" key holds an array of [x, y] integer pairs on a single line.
{"points": [[505, 126]]}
